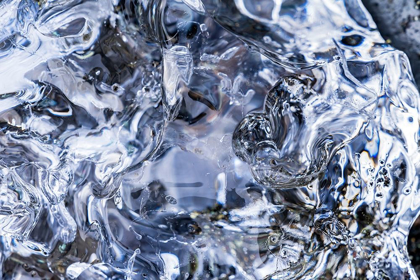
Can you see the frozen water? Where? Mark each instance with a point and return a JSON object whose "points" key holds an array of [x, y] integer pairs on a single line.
{"points": [[204, 139], [20, 206]]}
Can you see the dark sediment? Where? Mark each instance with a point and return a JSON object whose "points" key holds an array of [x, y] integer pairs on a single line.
{"points": [[399, 22]]}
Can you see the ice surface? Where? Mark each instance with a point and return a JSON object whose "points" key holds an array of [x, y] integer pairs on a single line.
{"points": [[147, 139]]}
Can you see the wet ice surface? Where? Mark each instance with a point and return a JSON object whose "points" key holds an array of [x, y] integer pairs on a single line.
{"points": [[204, 140]]}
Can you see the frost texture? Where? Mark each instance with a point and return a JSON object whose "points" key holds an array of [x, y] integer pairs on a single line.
{"points": [[212, 139]]}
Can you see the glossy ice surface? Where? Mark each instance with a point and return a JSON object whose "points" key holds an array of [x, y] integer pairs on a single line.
{"points": [[212, 139]]}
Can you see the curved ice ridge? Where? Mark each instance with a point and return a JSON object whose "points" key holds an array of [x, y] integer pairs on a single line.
{"points": [[212, 139]]}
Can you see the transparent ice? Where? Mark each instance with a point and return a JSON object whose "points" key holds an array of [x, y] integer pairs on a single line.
{"points": [[204, 139]]}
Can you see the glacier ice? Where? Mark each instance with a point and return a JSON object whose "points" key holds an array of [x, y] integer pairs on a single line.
{"points": [[204, 139]]}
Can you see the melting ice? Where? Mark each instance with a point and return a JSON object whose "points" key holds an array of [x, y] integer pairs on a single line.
{"points": [[204, 139]]}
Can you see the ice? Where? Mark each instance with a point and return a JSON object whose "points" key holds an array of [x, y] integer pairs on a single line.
{"points": [[19, 205], [178, 65], [75, 269], [204, 139], [304, 122]]}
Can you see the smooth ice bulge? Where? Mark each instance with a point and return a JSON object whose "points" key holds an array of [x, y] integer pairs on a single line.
{"points": [[169, 139]]}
